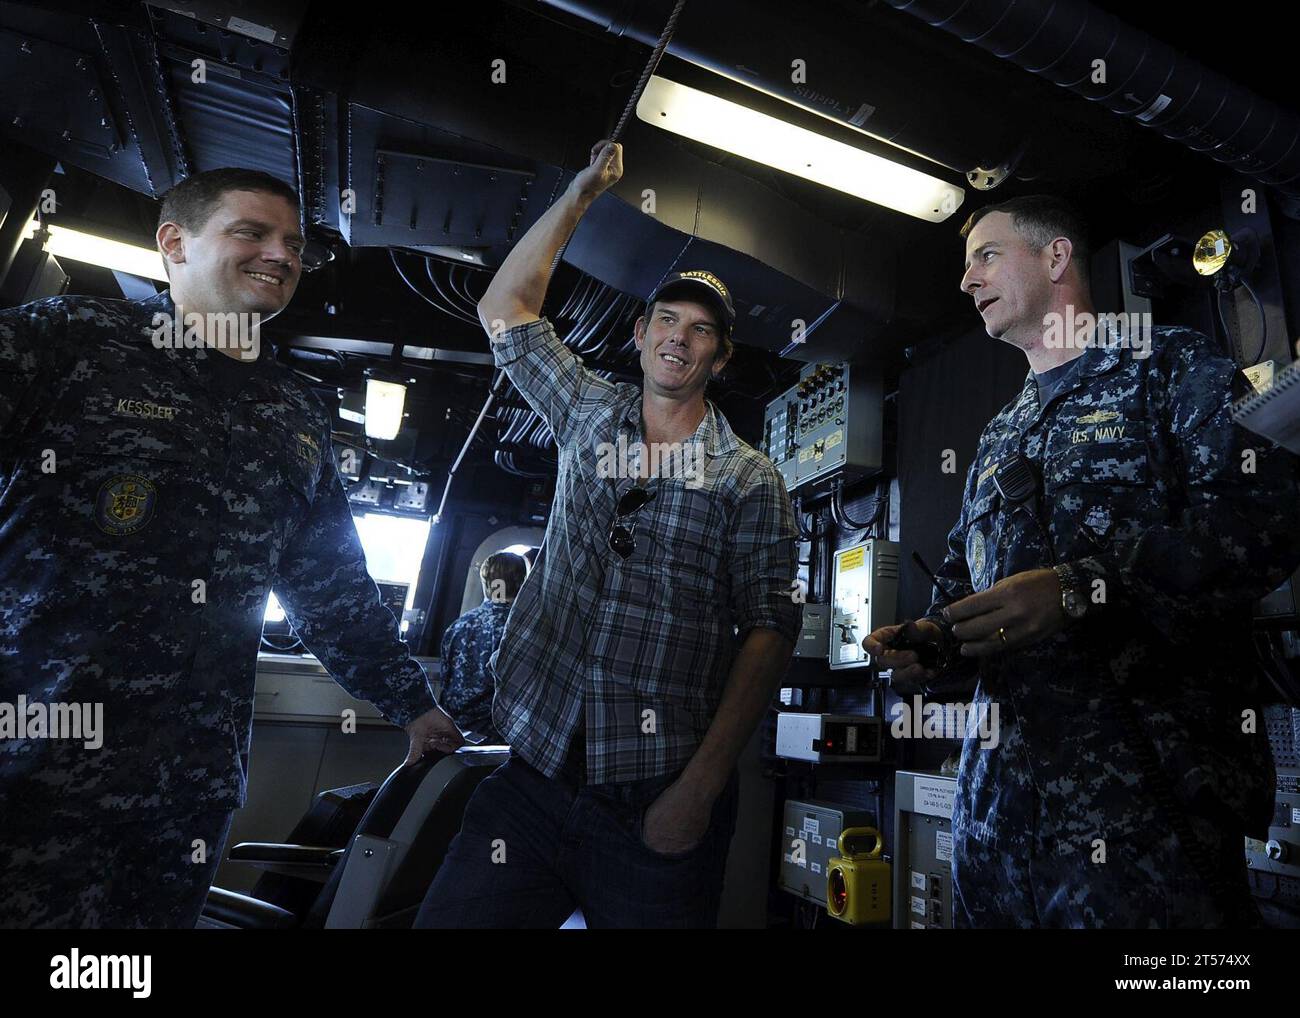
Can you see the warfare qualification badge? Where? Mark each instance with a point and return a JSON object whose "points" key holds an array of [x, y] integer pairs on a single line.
{"points": [[125, 504], [976, 554]]}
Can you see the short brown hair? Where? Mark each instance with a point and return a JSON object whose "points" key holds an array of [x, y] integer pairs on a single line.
{"points": [[192, 202], [507, 567], [1041, 218]]}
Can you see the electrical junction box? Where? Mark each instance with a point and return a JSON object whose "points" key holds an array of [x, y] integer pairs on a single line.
{"points": [[809, 832], [923, 850], [864, 597], [828, 738]]}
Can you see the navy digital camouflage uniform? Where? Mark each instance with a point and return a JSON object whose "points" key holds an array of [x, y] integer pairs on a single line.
{"points": [[1143, 492], [128, 473], [467, 685]]}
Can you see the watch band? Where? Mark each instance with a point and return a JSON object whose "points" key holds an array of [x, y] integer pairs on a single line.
{"points": [[1070, 588]]}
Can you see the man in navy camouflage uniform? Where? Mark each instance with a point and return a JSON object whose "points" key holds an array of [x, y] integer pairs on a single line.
{"points": [[1106, 595], [470, 641], [151, 496]]}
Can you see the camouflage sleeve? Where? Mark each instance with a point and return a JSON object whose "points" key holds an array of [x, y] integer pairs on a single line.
{"points": [[334, 605], [1238, 534], [764, 563], [550, 376], [446, 658], [27, 338]]}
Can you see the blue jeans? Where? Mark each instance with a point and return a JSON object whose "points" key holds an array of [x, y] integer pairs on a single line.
{"points": [[533, 848]]}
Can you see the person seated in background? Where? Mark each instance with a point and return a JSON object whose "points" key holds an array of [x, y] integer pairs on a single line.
{"points": [[468, 643]]}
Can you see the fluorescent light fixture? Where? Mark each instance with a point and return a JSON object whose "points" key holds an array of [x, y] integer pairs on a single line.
{"points": [[111, 254], [384, 402], [765, 139], [518, 549]]}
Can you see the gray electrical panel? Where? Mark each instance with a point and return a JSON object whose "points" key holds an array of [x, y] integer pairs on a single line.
{"points": [[864, 597], [809, 837], [1273, 866], [829, 422], [923, 850]]}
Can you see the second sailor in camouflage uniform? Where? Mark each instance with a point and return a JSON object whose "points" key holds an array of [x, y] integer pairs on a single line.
{"points": [[469, 642], [151, 496], [1128, 768]]}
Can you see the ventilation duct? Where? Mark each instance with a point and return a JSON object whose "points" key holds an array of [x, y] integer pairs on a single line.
{"points": [[1142, 79]]}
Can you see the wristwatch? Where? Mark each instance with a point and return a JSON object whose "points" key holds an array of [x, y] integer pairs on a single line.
{"points": [[1073, 601]]}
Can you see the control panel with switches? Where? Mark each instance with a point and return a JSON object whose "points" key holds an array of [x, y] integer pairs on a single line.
{"points": [[830, 422]]}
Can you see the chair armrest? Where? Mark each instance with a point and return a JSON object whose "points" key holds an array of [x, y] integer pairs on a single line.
{"points": [[272, 852], [309, 862], [226, 909]]}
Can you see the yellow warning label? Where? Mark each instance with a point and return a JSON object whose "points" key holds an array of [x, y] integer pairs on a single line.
{"points": [[834, 439], [852, 559]]}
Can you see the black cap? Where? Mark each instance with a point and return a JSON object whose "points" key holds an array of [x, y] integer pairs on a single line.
{"points": [[700, 285]]}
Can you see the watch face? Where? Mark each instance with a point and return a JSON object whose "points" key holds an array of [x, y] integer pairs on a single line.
{"points": [[1074, 605]]}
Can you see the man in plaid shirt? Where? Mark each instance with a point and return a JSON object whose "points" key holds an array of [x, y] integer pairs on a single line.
{"points": [[650, 636]]}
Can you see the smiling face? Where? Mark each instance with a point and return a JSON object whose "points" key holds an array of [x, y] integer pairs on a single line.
{"points": [[1009, 279], [247, 257], [681, 348]]}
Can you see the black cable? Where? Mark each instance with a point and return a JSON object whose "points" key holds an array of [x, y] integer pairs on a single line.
{"points": [[1263, 324], [458, 311], [467, 274], [1227, 333], [415, 289], [805, 533], [842, 518]]}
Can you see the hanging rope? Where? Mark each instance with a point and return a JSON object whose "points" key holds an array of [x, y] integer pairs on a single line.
{"points": [[669, 28]]}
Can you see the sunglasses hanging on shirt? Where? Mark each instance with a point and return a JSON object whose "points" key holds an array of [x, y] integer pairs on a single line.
{"points": [[622, 537]]}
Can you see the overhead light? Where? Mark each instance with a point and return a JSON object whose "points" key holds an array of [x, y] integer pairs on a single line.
{"points": [[1211, 252], [765, 139], [518, 549], [111, 254], [1226, 259], [384, 402]]}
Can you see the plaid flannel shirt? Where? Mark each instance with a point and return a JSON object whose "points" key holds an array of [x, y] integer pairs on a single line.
{"points": [[635, 652]]}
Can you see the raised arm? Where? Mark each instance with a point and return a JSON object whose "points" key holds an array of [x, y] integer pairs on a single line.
{"points": [[517, 290]]}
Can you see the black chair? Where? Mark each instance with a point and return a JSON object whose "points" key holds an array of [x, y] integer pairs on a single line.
{"points": [[379, 880]]}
